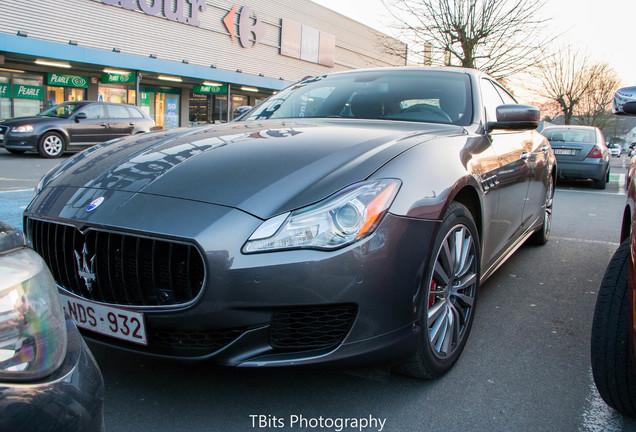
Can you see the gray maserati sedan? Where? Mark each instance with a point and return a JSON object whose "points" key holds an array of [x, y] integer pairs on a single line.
{"points": [[347, 220]]}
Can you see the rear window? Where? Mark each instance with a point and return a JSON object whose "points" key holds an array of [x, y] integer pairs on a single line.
{"points": [[584, 136]]}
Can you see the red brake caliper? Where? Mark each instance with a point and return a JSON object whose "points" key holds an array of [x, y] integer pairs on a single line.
{"points": [[431, 298]]}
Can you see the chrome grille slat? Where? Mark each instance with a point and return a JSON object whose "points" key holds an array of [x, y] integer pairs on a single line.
{"points": [[130, 270]]}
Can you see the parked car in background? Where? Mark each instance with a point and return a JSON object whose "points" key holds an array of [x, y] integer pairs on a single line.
{"points": [[613, 341], [72, 126], [347, 220], [581, 153], [615, 150], [49, 380]]}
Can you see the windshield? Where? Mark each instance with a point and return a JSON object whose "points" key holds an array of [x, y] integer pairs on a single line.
{"points": [[62, 110], [420, 96], [585, 136]]}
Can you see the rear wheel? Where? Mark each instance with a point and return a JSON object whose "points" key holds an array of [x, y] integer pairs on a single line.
{"points": [[51, 145], [602, 182], [449, 289], [612, 362]]}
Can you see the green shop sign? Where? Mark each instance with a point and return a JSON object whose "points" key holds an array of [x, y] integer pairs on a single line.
{"points": [[118, 78], [22, 91], [209, 89], [54, 79], [4, 90]]}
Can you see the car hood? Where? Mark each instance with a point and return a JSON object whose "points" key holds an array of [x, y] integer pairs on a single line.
{"points": [[23, 120], [263, 168]]}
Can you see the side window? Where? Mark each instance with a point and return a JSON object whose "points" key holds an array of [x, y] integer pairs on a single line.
{"points": [[94, 111], [507, 97], [134, 112], [491, 99], [117, 111]]}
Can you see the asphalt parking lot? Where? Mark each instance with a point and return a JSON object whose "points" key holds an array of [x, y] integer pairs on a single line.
{"points": [[525, 367]]}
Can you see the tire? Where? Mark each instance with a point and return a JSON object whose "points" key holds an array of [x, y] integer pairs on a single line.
{"points": [[542, 235], [51, 145], [612, 362], [451, 309], [14, 151], [602, 182]]}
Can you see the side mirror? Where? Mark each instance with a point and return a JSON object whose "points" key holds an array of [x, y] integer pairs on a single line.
{"points": [[80, 116], [516, 117], [625, 101]]}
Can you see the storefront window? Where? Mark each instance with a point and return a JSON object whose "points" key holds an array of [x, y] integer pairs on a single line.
{"points": [[5, 96], [162, 106], [30, 101], [219, 110], [199, 108], [115, 93], [238, 100], [56, 95]]}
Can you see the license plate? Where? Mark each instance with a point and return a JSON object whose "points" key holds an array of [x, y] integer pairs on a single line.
{"points": [[566, 152], [107, 320]]}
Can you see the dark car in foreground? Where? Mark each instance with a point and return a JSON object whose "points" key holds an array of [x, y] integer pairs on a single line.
{"points": [[347, 220], [613, 342], [72, 126], [581, 153], [49, 380]]}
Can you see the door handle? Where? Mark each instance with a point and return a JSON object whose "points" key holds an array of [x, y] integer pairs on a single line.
{"points": [[525, 155], [131, 123], [104, 124], [545, 148]]}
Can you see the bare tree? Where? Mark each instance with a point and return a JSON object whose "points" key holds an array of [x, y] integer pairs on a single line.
{"points": [[578, 85], [499, 37], [594, 109]]}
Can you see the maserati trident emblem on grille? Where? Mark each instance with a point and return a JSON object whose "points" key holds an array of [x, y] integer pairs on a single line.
{"points": [[86, 267]]}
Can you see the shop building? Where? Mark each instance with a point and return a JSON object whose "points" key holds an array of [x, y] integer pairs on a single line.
{"points": [[183, 61]]}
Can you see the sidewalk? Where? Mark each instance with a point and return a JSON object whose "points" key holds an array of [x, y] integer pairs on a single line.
{"points": [[12, 204]]}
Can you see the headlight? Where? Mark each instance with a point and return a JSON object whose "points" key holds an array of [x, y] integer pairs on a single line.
{"points": [[349, 215], [32, 325], [22, 129]]}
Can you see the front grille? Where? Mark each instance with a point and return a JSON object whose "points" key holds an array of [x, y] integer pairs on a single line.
{"points": [[311, 327], [119, 268]]}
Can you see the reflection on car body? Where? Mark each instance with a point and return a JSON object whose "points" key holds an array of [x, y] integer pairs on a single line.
{"points": [[347, 220], [72, 126], [48, 378], [613, 341]]}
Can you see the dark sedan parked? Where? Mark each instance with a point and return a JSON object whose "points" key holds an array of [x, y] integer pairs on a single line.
{"points": [[349, 219], [72, 126], [581, 153], [49, 381]]}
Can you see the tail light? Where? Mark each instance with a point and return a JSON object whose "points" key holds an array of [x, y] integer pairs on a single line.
{"points": [[595, 152]]}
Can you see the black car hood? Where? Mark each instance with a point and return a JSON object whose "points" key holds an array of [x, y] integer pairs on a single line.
{"points": [[23, 120], [263, 168]]}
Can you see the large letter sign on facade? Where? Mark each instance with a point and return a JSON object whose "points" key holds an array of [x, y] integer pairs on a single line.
{"points": [[247, 28], [172, 9]]}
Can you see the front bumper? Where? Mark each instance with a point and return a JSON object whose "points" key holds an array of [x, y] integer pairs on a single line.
{"points": [[353, 306], [23, 141], [70, 400]]}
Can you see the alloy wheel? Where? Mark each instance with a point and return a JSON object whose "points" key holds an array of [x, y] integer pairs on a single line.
{"points": [[452, 292]]}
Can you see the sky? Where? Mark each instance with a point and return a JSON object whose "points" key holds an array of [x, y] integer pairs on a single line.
{"points": [[603, 28]]}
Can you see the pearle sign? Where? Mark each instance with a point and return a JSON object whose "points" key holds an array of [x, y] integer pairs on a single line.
{"points": [[185, 11]]}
